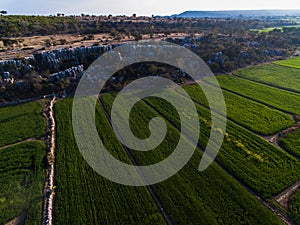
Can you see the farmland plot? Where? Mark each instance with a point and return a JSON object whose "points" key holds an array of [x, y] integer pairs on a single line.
{"points": [[294, 208], [280, 99], [21, 122], [22, 175], [85, 197], [191, 197], [291, 142], [256, 163], [252, 115], [293, 62], [274, 75]]}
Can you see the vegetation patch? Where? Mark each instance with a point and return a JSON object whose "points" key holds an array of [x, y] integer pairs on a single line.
{"points": [[259, 165], [191, 197], [291, 142], [22, 175], [21, 122], [83, 196], [252, 115], [293, 62], [294, 207], [275, 29], [275, 75], [274, 97]]}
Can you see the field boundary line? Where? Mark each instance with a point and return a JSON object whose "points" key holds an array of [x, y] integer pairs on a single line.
{"points": [[288, 66], [270, 85], [229, 119], [20, 142], [255, 100], [18, 220], [149, 188]]}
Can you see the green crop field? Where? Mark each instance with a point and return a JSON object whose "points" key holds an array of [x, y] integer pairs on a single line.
{"points": [[294, 208], [252, 115], [254, 159], [269, 29], [262, 167], [291, 142], [279, 76], [21, 122], [293, 62], [22, 175], [83, 196], [280, 99], [190, 197]]}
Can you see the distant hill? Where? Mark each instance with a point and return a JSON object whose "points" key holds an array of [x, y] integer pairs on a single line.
{"points": [[237, 13]]}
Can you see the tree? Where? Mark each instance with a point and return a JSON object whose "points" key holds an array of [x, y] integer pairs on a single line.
{"points": [[127, 32], [64, 83], [114, 32], [153, 69], [3, 12], [137, 36]]}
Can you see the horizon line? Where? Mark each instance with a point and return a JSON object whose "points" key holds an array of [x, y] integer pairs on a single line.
{"points": [[142, 14]]}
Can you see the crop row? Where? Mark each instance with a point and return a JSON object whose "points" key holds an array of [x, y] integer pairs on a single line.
{"points": [[22, 175], [190, 196], [280, 99], [278, 76], [20, 122], [252, 115], [291, 142], [83, 196], [293, 62], [256, 163]]}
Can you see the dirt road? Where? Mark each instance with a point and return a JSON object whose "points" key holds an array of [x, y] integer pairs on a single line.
{"points": [[49, 191]]}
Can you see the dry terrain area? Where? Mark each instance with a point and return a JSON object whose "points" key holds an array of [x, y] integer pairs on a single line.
{"points": [[26, 46]]}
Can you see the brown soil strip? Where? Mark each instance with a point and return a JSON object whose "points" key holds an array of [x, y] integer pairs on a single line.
{"points": [[20, 142], [20, 220], [284, 197]]}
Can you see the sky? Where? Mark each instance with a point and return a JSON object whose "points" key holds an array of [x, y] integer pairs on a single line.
{"points": [[140, 7]]}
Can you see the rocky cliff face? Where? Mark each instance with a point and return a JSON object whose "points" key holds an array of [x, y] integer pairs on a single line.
{"points": [[69, 61], [17, 68]]}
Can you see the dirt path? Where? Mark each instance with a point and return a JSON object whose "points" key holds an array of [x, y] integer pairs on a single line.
{"points": [[152, 193], [21, 219], [274, 139], [20, 142], [48, 191], [18, 220], [284, 197]]}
